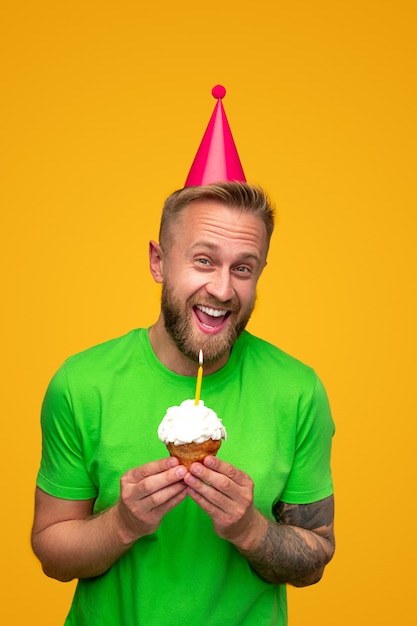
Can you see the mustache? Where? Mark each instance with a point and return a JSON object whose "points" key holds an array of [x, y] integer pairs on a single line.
{"points": [[232, 306]]}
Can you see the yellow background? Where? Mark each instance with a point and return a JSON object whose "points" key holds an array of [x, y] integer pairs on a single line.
{"points": [[103, 107]]}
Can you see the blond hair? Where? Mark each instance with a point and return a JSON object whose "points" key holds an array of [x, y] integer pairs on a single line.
{"points": [[241, 196]]}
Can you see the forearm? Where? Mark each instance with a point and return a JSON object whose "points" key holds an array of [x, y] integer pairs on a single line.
{"points": [[72, 543], [82, 548], [288, 554]]}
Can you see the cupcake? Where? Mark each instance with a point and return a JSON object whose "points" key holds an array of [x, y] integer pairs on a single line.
{"points": [[191, 432]]}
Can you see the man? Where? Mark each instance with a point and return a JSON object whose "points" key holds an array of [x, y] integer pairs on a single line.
{"points": [[151, 542]]}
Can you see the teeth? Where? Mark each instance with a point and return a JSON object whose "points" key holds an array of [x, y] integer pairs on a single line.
{"points": [[212, 312]]}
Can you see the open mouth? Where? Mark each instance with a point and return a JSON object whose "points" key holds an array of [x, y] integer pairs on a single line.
{"points": [[209, 318]]}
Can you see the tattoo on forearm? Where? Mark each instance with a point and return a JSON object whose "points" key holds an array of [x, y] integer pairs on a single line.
{"points": [[296, 549], [309, 516]]}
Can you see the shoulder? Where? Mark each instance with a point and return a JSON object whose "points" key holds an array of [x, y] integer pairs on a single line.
{"points": [[105, 352], [268, 358], [284, 375], [100, 362], [84, 376]]}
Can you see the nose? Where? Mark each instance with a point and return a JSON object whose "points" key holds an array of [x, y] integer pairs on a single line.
{"points": [[220, 285]]}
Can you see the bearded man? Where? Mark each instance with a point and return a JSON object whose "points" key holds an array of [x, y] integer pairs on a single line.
{"points": [[151, 542]]}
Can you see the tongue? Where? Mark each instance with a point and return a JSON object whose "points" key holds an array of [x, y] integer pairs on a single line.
{"points": [[209, 320]]}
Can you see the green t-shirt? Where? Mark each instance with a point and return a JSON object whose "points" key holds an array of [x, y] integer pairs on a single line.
{"points": [[100, 418]]}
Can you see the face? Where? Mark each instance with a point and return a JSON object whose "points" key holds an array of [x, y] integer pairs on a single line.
{"points": [[209, 273]]}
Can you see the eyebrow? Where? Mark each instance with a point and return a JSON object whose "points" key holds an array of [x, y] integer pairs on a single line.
{"points": [[214, 247]]}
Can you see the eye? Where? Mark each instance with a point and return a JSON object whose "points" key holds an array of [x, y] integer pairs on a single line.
{"points": [[243, 269], [203, 261]]}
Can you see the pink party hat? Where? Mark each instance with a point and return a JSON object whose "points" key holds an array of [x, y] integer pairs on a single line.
{"points": [[217, 159]]}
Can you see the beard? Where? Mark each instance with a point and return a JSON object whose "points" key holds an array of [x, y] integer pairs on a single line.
{"points": [[189, 340]]}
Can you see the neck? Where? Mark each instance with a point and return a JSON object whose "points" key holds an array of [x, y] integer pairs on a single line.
{"points": [[168, 353]]}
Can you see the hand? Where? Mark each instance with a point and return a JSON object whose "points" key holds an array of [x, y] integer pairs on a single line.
{"points": [[225, 493], [147, 493]]}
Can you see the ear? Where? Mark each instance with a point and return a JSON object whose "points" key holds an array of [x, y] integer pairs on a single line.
{"points": [[155, 261]]}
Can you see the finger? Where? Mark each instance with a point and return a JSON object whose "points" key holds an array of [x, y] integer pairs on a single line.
{"points": [[164, 499], [136, 474], [152, 505], [213, 503], [174, 499], [151, 484], [144, 515], [230, 483], [211, 488], [232, 472], [207, 495]]}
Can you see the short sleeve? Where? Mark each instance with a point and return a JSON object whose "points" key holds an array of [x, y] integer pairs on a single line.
{"points": [[310, 478], [62, 472]]}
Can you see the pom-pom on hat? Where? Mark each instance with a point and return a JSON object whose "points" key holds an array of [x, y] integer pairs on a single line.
{"points": [[217, 159]]}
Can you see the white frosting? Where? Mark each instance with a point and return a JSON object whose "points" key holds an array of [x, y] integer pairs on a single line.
{"points": [[189, 422]]}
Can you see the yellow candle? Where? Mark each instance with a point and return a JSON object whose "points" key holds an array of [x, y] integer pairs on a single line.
{"points": [[199, 379]]}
